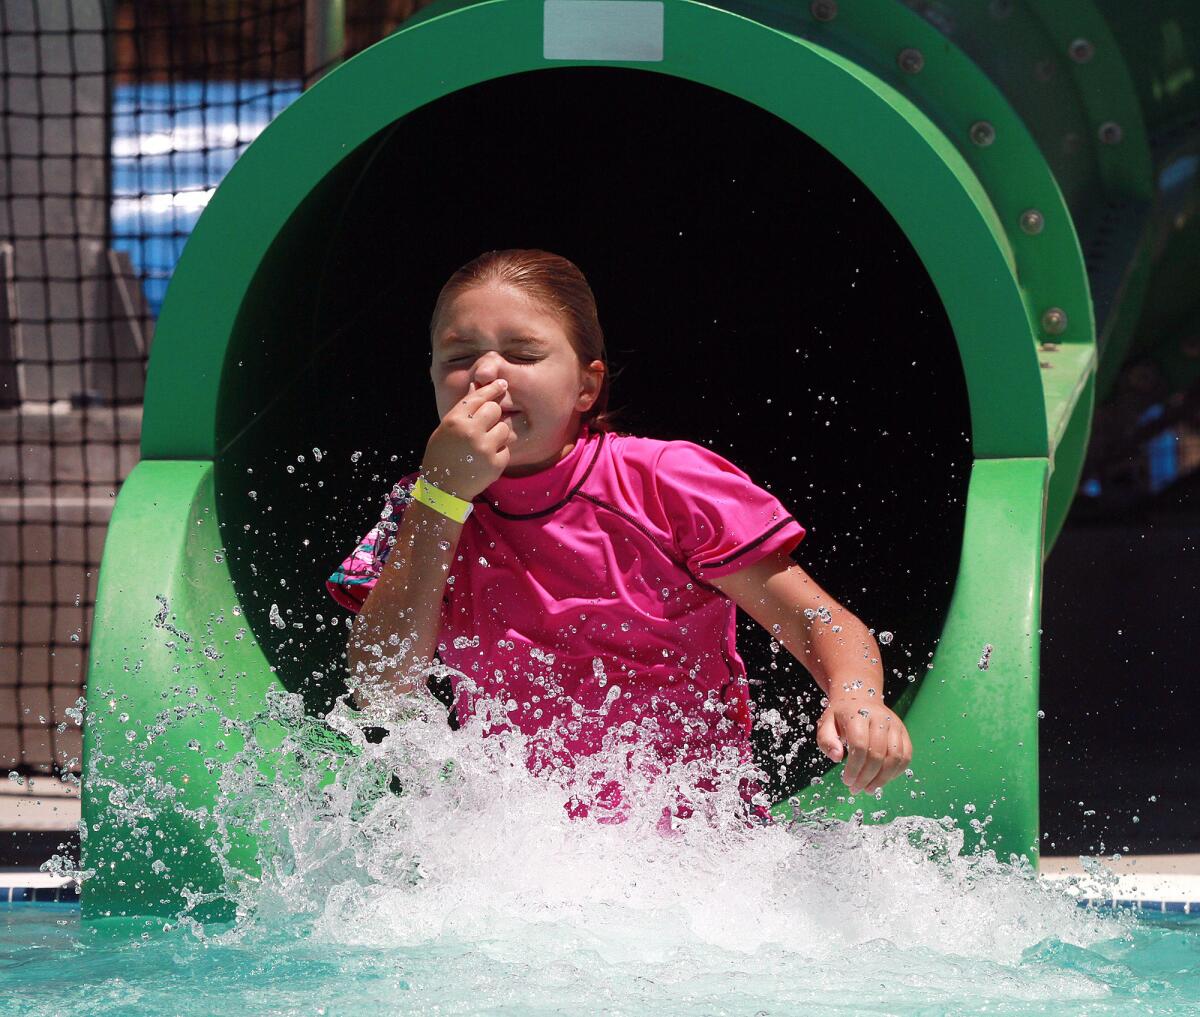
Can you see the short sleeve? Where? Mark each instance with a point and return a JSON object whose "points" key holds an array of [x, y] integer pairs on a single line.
{"points": [[356, 576], [720, 520]]}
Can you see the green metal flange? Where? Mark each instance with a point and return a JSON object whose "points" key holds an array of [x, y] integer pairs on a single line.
{"points": [[912, 56]]}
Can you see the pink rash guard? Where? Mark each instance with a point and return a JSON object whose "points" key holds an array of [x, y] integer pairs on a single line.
{"points": [[586, 585]]}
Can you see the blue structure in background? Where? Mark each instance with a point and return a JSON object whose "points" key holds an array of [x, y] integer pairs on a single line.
{"points": [[172, 144], [1162, 452]]}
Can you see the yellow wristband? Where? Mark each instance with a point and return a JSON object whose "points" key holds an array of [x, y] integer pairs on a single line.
{"points": [[441, 501]]}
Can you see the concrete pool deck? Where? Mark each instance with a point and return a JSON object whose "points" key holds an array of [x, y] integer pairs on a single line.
{"points": [[1154, 882], [44, 803]]}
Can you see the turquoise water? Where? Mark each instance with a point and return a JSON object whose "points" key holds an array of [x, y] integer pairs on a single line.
{"points": [[49, 965], [474, 892]]}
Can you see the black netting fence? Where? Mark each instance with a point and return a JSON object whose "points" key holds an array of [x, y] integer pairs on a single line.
{"points": [[119, 119]]}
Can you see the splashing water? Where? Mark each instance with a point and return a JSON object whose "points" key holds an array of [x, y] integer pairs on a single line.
{"points": [[431, 870], [408, 867]]}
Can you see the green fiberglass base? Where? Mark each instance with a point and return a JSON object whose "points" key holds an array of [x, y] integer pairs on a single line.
{"points": [[152, 744]]}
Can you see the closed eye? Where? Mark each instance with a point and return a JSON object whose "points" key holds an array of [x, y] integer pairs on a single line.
{"points": [[523, 360]]}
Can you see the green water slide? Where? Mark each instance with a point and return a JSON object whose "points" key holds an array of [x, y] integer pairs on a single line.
{"points": [[1034, 154]]}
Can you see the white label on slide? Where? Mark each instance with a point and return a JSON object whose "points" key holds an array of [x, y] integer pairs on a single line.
{"points": [[603, 30]]}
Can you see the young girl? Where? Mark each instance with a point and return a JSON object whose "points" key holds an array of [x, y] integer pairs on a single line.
{"points": [[588, 578]]}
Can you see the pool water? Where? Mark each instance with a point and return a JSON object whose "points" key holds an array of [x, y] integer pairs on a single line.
{"points": [[475, 891], [607, 958]]}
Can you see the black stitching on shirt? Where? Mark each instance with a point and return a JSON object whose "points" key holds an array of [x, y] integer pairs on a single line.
{"points": [[751, 546], [570, 494]]}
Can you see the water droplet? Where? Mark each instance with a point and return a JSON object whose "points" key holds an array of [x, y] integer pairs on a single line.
{"points": [[317, 454], [1041, 714], [443, 545], [885, 638], [276, 617], [483, 561], [355, 457]]}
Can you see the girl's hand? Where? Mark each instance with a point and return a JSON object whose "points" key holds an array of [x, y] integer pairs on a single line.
{"points": [[873, 740], [469, 448]]}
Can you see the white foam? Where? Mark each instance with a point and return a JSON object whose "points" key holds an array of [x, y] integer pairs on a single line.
{"points": [[489, 857]]}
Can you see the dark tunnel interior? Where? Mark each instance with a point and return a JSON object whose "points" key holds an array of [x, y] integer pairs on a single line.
{"points": [[755, 296]]}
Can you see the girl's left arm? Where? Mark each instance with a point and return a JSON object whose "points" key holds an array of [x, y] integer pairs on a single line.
{"points": [[842, 656]]}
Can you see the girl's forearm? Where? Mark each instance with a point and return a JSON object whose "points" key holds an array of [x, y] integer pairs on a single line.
{"points": [[394, 637], [842, 662]]}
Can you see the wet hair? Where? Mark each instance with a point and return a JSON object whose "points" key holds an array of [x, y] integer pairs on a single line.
{"points": [[558, 287]]}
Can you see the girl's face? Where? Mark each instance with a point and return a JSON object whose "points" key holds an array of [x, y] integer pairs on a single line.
{"points": [[494, 331]]}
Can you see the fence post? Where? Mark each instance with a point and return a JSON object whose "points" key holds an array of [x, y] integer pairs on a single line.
{"points": [[324, 37]]}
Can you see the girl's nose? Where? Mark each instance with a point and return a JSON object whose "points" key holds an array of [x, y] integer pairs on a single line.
{"points": [[487, 369]]}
